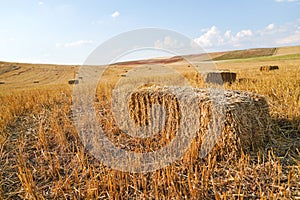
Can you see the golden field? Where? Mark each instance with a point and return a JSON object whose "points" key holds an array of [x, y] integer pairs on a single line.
{"points": [[42, 156]]}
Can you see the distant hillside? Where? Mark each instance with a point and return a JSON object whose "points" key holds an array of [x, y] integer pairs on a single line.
{"points": [[151, 61], [287, 50], [249, 53], [290, 52]]}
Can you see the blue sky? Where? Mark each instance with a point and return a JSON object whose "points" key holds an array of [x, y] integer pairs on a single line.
{"points": [[66, 32]]}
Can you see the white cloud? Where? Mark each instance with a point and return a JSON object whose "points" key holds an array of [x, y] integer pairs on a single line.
{"points": [[290, 34], [270, 27], [213, 39], [115, 14], [78, 43], [227, 34], [58, 44], [41, 3], [291, 39], [286, 0], [244, 33], [168, 43]]}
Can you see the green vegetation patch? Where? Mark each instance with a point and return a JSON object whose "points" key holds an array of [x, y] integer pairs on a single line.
{"points": [[250, 53]]}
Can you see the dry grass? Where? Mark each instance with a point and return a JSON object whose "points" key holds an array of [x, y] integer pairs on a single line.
{"points": [[42, 156]]}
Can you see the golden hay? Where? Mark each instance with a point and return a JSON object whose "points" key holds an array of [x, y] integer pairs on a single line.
{"points": [[268, 68], [245, 123], [220, 77]]}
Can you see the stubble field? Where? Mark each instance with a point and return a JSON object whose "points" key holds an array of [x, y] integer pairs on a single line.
{"points": [[42, 156]]}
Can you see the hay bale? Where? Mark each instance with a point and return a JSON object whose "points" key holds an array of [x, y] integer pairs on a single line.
{"points": [[246, 115], [220, 77], [73, 81], [123, 75], [35, 81], [80, 77], [274, 67], [2, 82], [247, 80], [268, 68], [140, 104]]}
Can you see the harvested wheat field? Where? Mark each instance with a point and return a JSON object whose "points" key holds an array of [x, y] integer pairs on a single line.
{"points": [[256, 154]]}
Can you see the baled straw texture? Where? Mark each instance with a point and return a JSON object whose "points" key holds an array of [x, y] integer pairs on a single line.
{"points": [[269, 68], [220, 77], [243, 117]]}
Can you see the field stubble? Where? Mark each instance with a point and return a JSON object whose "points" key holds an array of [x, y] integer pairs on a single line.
{"points": [[42, 156]]}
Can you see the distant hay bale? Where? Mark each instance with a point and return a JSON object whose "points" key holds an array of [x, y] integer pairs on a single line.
{"points": [[35, 81], [269, 68], [14, 67], [80, 77], [73, 81], [220, 77], [123, 75], [246, 115], [247, 80], [2, 82]]}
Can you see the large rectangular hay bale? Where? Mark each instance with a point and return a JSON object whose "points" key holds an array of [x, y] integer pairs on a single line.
{"points": [[269, 68], [246, 115], [220, 77]]}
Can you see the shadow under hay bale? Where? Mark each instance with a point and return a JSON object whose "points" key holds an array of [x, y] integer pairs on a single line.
{"points": [[2, 82], [245, 126], [35, 81], [220, 77], [268, 68], [72, 82], [285, 139]]}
